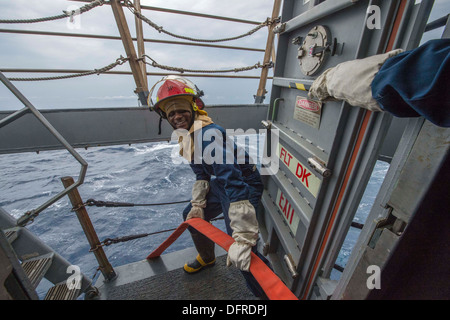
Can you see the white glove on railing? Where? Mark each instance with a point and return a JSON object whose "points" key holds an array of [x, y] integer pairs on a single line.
{"points": [[245, 233], [199, 191], [351, 81]]}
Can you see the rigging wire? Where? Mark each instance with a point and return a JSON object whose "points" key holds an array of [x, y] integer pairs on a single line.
{"points": [[109, 204], [65, 14], [110, 241], [119, 61], [139, 15], [154, 64], [160, 29], [122, 60], [182, 70]]}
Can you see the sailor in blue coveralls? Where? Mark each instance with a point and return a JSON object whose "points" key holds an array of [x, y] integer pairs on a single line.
{"points": [[223, 185]]}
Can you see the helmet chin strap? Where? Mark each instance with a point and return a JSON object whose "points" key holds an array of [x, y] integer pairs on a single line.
{"points": [[159, 125], [193, 114]]}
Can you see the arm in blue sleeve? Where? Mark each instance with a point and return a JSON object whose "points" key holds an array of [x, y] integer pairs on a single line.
{"points": [[200, 173], [229, 174], [231, 177], [415, 83]]}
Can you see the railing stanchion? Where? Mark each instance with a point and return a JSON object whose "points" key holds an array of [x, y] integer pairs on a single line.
{"points": [[77, 203]]}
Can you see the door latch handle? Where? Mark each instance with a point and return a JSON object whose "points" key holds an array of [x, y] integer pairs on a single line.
{"points": [[319, 167]]}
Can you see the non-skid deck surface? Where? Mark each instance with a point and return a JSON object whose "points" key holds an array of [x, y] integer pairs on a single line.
{"points": [[216, 283]]}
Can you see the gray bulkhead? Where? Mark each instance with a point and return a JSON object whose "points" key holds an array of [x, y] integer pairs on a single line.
{"points": [[326, 154]]}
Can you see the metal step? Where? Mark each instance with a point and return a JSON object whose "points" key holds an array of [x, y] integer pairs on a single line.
{"points": [[36, 268], [62, 292], [11, 234]]}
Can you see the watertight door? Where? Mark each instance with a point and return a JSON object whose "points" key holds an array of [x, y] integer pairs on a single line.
{"points": [[325, 152]]}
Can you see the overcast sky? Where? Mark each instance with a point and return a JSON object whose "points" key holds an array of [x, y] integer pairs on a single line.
{"points": [[50, 52]]}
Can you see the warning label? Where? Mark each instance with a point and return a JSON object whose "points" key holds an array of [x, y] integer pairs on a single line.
{"points": [[303, 174], [308, 111]]}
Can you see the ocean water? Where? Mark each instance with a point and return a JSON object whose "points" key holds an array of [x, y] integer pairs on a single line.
{"points": [[140, 174], [365, 205]]}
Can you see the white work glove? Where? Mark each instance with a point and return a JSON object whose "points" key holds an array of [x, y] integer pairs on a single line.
{"points": [[351, 81], [199, 191], [245, 233]]}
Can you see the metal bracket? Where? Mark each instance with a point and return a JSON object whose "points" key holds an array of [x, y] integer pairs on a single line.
{"points": [[266, 124], [143, 98], [279, 28], [266, 249]]}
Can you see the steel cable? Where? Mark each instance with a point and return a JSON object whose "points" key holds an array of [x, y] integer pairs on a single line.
{"points": [[65, 14], [119, 61], [160, 29]]}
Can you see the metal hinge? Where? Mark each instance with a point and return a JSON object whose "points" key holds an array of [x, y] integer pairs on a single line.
{"points": [[291, 265]]}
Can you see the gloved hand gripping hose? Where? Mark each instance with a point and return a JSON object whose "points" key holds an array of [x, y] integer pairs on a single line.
{"points": [[199, 191], [242, 215]]}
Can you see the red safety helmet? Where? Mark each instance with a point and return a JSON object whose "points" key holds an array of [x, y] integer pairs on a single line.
{"points": [[175, 86]]}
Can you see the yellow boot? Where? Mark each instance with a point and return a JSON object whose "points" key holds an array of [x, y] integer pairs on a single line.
{"points": [[205, 258]]}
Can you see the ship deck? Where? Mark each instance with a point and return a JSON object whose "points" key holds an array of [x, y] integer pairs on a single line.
{"points": [[163, 278]]}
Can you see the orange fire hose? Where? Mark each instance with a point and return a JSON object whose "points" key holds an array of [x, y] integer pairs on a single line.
{"points": [[273, 287]]}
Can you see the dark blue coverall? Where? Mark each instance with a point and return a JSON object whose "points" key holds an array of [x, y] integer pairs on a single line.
{"points": [[228, 182]]}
